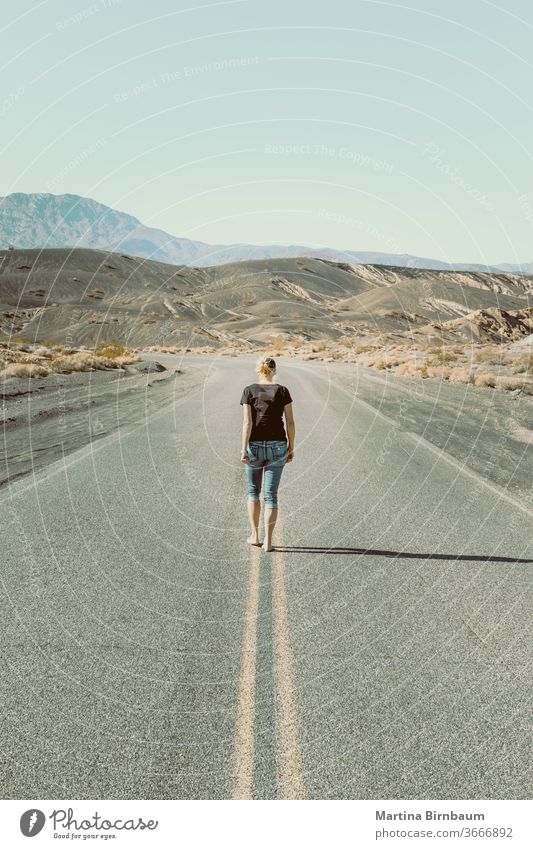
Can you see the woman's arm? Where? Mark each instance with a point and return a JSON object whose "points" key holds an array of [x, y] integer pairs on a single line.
{"points": [[291, 430], [246, 430]]}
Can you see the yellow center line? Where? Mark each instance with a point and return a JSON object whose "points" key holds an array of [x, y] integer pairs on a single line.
{"points": [[291, 783], [243, 755]]}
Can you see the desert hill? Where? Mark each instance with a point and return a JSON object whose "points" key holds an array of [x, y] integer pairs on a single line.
{"points": [[86, 296]]}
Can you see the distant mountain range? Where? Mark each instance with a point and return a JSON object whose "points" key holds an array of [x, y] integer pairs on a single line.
{"points": [[61, 221]]}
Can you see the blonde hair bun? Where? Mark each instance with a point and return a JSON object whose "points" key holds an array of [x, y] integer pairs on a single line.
{"points": [[266, 365]]}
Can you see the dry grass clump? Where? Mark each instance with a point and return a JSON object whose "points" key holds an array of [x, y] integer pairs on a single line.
{"points": [[457, 363], [54, 358], [487, 379], [523, 364], [24, 370], [489, 354], [442, 358], [162, 349], [297, 342], [396, 358], [57, 346], [126, 360], [111, 350], [408, 369], [178, 349], [509, 383], [81, 361], [384, 359], [460, 375], [277, 344], [442, 372], [7, 357]]}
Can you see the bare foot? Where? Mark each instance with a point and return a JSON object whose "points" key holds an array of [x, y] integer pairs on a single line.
{"points": [[253, 539], [265, 547]]}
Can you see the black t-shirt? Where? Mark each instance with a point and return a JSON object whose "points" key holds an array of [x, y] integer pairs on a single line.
{"points": [[267, 401]]}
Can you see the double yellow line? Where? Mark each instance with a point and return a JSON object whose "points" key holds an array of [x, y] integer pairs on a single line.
{"points": [[289, 766]]}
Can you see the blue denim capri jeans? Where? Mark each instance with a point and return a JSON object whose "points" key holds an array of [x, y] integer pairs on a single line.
{"points": [[267, 458]]}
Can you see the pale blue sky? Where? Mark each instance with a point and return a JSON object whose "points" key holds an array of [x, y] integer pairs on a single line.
{"points": [[353, 123]]}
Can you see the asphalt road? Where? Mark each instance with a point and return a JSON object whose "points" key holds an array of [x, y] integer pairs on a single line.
{"points": [[381, 651]]}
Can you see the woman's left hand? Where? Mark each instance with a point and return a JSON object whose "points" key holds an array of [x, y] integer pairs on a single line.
{"points": [[244, 458]]}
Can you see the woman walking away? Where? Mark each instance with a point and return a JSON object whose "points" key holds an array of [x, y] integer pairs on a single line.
{"points": [[265, 445]]}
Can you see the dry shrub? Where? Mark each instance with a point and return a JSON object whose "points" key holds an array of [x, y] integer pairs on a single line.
{"points": [[278, 342], [442, 372], [442, 358], [297, 342], [363, 349], [160, 349], [118, 362], [367, 359], [523, 364], [490, 354], [460, 375], [83, 362], [346, 341], [111, 350], [395, 358], [318, 346], [408, 369], [24, 370], [87, 361], [486, 379], [57, 347], [509, 383], [382, 363], [19, 357]]}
